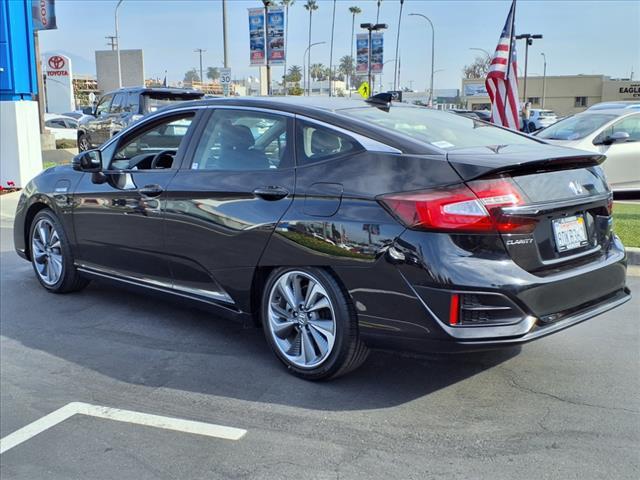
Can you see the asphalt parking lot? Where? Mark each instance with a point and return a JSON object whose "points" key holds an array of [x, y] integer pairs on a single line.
{"points": [[566, 407]]}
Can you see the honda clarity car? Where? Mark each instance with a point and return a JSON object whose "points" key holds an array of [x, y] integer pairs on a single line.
{"points": [[336, 225]]}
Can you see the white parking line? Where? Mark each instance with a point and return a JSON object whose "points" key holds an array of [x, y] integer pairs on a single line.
{"points": [[168, 423]]}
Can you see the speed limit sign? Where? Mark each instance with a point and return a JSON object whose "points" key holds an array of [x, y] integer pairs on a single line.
{"points": [[225, 76]]}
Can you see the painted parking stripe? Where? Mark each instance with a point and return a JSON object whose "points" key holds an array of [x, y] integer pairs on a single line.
{"points": [[79, 408]]}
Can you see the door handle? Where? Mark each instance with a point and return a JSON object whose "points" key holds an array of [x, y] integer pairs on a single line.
{"points": [[151, 190], [271, 192]]}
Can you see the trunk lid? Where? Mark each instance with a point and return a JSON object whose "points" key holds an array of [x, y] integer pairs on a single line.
{"points": [[565, 192]]}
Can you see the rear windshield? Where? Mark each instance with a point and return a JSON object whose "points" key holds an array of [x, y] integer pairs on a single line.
{"points": [[547, 113], [575, 128], [154, 101], [441, 129]]}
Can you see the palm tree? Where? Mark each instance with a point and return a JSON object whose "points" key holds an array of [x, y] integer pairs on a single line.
{"points": [[346, 66], [333, 25], [295, 74], [310, 6], [354, 11], [378, 13], [286, 4], [213, 73], [316, 71]]}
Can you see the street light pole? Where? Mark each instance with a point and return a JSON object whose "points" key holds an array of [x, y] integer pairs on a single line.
{"points": [[370, 27], [266, 29], [395, 68], [482, 50], [118, 45], [529, 41], [224, 33], [544, 77], [304, 61], [199, 51], [433, 49]]}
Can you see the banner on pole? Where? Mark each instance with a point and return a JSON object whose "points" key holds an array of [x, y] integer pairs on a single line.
{"points": [[362, 54], [275, 36], [257, 47], [377, 47], [44, 14]]}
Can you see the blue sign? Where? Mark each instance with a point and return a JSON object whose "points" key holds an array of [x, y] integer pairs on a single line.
{"points": [[18, 79], [44, 14]]}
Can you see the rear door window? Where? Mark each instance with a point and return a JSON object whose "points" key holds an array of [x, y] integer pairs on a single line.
{"points": [[103, 106], [316, 143], [118, 103]]}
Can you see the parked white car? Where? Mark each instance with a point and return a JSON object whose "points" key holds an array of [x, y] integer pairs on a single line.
{"points": [[542, 118], [62, 127], [614, 133]]}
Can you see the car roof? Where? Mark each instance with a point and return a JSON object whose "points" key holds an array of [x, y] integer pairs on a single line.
{"points": [[619, 112], [622, 104], [52, 116]]}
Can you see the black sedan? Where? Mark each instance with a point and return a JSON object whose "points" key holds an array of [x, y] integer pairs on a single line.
{"points": [[336, 225]]}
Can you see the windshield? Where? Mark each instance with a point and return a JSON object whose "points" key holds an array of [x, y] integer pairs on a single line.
{"points": [[440, 129], [577, 127], [155, 101]]}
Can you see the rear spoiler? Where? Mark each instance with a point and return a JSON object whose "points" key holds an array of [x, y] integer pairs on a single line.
{"points": [[485, 161]]}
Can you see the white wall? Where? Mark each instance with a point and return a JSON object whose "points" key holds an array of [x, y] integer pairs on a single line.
{"points": [[20, 155]]}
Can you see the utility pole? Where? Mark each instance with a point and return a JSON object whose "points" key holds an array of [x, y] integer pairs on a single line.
{"points": [[370, 27], [200, 51], [112, 41], [528, 37], [544, 77], [118, 46], [224, 33]]}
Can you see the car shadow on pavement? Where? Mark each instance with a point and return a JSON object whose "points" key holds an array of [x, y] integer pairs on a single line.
{"points": [[155, 342]]}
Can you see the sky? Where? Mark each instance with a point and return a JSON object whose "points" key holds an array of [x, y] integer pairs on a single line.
{"points": [[580, 37]]}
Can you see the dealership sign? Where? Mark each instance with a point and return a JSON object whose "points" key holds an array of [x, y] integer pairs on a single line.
{"points": [[44, 14], [59, 83], [266, 42], [475, 89], [362, 53]]}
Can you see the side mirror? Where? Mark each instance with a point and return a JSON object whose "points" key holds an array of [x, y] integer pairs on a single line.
{"points": [[90, 161], [616, 137]]}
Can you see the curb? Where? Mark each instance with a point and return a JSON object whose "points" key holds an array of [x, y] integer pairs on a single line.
{"points": [[633, 255]]}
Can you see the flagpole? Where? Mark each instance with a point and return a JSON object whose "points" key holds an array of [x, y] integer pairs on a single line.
{"points": [[508, 82]]}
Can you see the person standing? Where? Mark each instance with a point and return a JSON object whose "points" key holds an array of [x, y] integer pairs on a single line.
{"points": [[526, 114]]}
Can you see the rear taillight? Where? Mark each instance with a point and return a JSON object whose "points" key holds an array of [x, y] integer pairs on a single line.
{"points": [[478, 207]]}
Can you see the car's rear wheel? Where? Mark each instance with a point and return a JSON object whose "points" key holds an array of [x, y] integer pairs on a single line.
{"points": [[83, 143], [311, 324], [51, 255]]}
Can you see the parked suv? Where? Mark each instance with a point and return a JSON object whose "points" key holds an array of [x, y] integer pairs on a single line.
{"points": [[541, 119], [118, 109]]}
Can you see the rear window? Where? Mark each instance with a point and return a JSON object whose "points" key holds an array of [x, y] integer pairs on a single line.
{"points": [[577, 127], [547, 113], [441, 129], [155, 101]]}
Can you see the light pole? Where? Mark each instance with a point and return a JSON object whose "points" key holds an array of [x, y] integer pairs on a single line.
{"points": [[544, 77], [118, 45], [370, 27], [266, 4], [482, 50], [304, 61], [224, 32], [200, 51], [395, 68], [529, 41], [433, 49], [388, 61]]}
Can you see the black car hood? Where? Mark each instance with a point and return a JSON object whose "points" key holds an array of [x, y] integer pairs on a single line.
{"points": [[477, 162]]}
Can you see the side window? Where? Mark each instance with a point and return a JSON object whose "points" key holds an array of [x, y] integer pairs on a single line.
{"points": [[103, 106], [630, 125], [55, 123], [243, 140], [118, 103], [70, 123], [133, 103], [316, 143], [138, 152]]}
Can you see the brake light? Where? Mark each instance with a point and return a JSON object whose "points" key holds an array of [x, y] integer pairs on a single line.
{"points": [[478, 207]]}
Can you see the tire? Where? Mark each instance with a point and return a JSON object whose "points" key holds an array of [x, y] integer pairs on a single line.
{"points": [[83, 143], [51, 255], [301, 336]]}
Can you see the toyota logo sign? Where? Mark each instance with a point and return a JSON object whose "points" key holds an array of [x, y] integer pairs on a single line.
{"points": [[56, 62]]}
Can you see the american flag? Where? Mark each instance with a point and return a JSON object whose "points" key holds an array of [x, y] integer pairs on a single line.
{"points": [[502, 79]]}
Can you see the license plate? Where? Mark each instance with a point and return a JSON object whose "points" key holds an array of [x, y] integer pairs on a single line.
{"points": [[570, 233]]}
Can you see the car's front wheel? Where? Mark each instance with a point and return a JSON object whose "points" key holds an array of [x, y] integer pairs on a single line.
{"points": [[310, 323], [51, 255], [83, 143]]}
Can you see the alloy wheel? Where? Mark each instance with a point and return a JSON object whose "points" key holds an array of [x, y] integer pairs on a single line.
{"points": [[301, 319], [46, 248]]}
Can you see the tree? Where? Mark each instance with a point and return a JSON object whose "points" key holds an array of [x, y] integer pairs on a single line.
{"points": [[347, 66], [295, 74], [478, 69], [286, 4], [310, 6], [191, 76], [213, 73], [354, 11]]}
